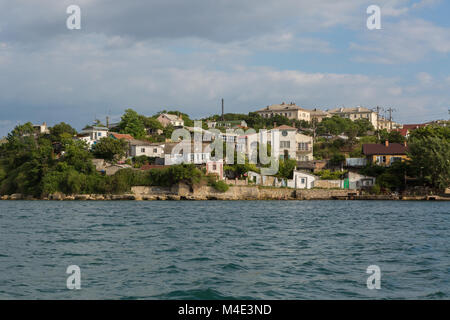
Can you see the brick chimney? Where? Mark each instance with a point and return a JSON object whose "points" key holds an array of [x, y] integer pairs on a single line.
{"points": [[386, 143], [274, 124], [293, 124], [404, 143]]}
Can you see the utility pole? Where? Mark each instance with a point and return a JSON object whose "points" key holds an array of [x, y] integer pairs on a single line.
{"points": [[223, 117], [390, 118], [378, 122]]}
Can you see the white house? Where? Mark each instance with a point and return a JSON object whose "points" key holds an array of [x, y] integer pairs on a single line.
{"points": [[304, 146], [92, 134], [287, 141], [302, 180], [186, 152], [145, 148]]}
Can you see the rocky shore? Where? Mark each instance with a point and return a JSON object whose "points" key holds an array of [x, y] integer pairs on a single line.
{"points": [[184, 192]]}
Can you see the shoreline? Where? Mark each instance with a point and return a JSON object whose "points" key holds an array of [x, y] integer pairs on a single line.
{"points": [[251, 193]]}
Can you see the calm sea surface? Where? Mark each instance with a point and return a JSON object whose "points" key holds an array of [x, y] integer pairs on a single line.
{"points": [[224, 249]]}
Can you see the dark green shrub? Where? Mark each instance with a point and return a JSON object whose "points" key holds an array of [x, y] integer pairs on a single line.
{"points": [[220, 186]]}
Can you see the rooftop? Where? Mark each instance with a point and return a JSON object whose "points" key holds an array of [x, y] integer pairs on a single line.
{"points": [[121, 136], [350, 110], [168, 148], [96, 128], [316, 112], [135, 142], [284, 127], [153, 166], [382, 149], [172, 117], [283, 107], [414, 126]]}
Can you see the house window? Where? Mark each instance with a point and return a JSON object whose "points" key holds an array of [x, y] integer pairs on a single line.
{"points": [[303, 146], [302, 180], [155, 150], [214, 167], [381, 159], [143, 150], [285, 144], [395, 159]]}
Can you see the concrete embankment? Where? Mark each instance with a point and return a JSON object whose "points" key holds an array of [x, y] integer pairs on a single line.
{"points": [[184, 192]]}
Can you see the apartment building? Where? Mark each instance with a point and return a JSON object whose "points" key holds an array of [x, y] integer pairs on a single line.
{"points": [[356, 113], [290, 110]]}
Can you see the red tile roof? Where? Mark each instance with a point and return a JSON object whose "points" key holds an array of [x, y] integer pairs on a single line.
{"points": [[414, 126], [381, 149], [153, 166], [403, 132], [121, 136]]}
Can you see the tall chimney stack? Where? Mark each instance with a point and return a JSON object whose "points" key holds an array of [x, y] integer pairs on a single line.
{"points": [[386, 143]]}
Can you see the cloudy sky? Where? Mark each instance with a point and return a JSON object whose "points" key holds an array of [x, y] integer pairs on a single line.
{"points": [[188, 54]]}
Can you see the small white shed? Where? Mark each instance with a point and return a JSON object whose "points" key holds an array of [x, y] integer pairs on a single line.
{"points": [[302, 180]]}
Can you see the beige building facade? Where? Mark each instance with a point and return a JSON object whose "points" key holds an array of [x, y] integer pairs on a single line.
{"points": [[356, 113], [288, 110]]}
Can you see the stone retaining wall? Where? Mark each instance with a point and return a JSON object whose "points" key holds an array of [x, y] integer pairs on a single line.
{"points": [[184, 192]]}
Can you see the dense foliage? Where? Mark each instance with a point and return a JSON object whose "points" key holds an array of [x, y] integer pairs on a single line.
{"points": [[29, 165], [342, 126], [110, 149], [429, 150]]}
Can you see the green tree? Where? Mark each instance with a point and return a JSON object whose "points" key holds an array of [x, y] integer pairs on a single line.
{"points": [[110, 149], [430, 157], [132, 123], [151, 123], [392, 137], [363, 126], [286, 168], [337, 159], [61, 129]]}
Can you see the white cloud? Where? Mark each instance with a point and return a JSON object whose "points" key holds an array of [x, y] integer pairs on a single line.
{"points": [[77, 80], [189, 54], [426, 3], [424, 78], [403, 42]]}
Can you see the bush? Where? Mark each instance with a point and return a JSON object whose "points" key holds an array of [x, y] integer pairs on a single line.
{"points": [[376, 189], [337, 159], [329, 175], [220, 186]]}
